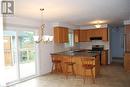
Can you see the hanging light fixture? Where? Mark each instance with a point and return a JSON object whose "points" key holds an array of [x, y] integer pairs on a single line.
{"points": [[98, 25], [41, 37]]}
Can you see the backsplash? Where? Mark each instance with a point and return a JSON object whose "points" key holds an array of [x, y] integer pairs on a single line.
{"points": [[83, 45], [61, 47], [88, 45]]}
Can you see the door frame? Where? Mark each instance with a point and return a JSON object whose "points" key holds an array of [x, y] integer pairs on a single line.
{"points": [[17, 58]]}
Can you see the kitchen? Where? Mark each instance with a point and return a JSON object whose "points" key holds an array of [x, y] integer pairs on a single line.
{"points": [[81, 29]]}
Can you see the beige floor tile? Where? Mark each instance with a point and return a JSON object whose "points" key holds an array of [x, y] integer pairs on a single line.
{"points": [[110, 76]]}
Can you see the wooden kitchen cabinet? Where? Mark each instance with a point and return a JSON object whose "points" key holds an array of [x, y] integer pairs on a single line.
{"points": [[104, 34], [127, 38], [127, 48], [78, 69], [80, 35], [104, 57], [127, 62], [77, 35], [83, 36], [60, 34]]}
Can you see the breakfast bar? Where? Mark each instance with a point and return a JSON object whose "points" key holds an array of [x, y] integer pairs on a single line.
{"points": [[75, 57]]}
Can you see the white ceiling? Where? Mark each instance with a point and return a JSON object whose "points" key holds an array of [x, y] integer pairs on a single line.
{"points": [[77, 12]]}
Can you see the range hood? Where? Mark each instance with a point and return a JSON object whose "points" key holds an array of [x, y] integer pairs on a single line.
{"points": [[95, 38]]}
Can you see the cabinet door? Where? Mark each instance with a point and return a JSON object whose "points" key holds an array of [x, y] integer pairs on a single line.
{"points": [[76, 35], [89, 34], [60, 34], [127, 38], [104, 34], [57, 35], [104, 58], [82, 36], [65, 35], [98, 32], [127, 62]]}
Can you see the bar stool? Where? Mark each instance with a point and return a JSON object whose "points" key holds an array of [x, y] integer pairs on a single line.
{"points": [[56, 63], [87, 64], [69, 64]]}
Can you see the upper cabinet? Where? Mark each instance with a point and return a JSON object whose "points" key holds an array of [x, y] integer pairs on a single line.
{"points": [[104, 33], [60, 34], [80, 35], [77, 35], [85, 35]]}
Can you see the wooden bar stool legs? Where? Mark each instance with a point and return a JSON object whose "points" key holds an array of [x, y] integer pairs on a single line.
{"points": [[56, 63], [56, 66], [92, 76], [87, 64], [71, 65]]}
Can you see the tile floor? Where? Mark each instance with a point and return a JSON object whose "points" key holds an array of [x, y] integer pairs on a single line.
{"points": [[110, 76]]}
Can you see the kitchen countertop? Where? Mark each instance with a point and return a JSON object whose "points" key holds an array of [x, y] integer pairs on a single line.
{"points": [[77, 53]]}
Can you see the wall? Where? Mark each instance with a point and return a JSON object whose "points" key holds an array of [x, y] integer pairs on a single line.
{"points": [[2, 75], [116, 41]]}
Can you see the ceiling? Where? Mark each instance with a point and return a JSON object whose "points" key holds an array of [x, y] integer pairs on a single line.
{"points": [[76, 12]]}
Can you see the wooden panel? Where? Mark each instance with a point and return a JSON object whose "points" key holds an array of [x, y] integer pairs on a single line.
{"points": [[57, 35], [76, 35], [104, 34], [127, 29], [89, 34], [127, 62], [60, 34], [65, 35], [127, 42], [127, 38], [83, 36], [104, 58]]}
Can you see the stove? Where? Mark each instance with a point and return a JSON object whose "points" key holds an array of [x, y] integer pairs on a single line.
{"points": [[99, 49]]}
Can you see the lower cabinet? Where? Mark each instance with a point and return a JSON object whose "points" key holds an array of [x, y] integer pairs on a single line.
{"points": [[127, 62], [104, 57]]}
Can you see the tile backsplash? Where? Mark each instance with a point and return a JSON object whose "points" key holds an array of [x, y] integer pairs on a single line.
{"points": [[88, 45], [81, 45]]}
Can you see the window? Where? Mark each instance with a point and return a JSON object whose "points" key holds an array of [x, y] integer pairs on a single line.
{"points": [[70, 40]]}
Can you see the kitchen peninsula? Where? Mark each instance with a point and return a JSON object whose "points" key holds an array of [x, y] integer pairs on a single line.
{"points": [[75, 56]]}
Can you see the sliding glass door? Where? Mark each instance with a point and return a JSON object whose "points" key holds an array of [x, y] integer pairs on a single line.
{"points": [[19, 55], [26, 54], [10, 56]]}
